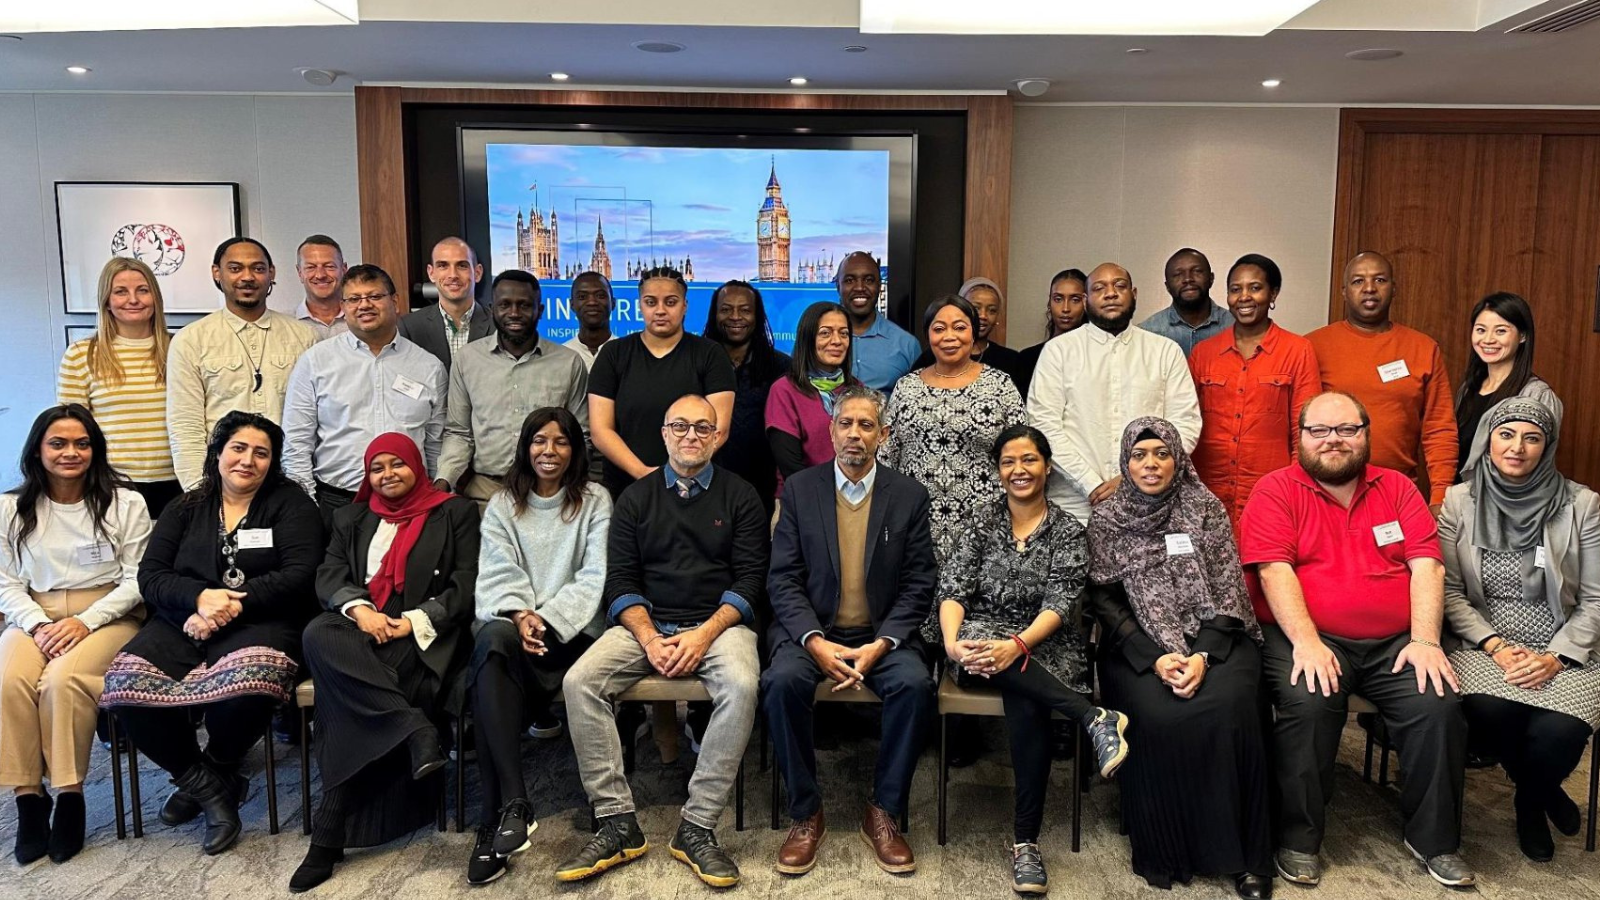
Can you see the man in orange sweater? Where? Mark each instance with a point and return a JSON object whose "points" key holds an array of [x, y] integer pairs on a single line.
{"points": [[1397, 373]]}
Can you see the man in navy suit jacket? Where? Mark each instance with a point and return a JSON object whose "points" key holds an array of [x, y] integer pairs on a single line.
{"points": [[852, 578]]}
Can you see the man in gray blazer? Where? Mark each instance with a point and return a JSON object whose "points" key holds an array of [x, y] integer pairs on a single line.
{"points": [[443, 329]]}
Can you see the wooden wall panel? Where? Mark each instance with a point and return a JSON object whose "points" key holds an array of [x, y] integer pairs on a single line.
{"points": [[988, 232], [381, 172], [1562, 293]]}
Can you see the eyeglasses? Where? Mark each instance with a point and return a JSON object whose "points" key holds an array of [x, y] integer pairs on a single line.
{"points": [[366, 298], [1321, 431], [680, 429]]}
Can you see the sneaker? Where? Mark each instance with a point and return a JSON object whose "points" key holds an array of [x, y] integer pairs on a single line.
{"points": [[1299, 868], [1449, 869], [618, 841], [697, 848], [1027, 870], [517, 824], [545, 726], [1106, 737], [485, 865]]}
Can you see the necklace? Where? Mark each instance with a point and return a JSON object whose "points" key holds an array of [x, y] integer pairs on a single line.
{"points": [[1023, 543], [232, 578], [253, 363], [964, 370]]}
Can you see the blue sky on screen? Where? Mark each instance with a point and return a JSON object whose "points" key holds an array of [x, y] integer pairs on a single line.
{"points": [[668, 203]]}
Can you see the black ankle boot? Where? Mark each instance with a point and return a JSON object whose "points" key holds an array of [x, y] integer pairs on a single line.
{"points": [[67, 827], [316, 868], [426, 757], [1533, 831], [33, 827], [219, 804]]}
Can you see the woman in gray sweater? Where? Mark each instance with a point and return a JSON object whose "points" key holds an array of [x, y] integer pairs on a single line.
{"points": [[540, 575]]}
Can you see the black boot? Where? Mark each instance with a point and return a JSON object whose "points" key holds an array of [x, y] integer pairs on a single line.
{"points": [[66, 828], [1533, 832], [217, 801], [316, 868], [33, 827], [426, 757]]}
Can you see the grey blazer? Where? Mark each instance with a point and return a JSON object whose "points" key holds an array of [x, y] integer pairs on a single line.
{"points": [[425, 328], [1572, 572]]}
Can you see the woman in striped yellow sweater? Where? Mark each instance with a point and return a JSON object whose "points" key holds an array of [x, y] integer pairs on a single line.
{"points": [[120, 374]]}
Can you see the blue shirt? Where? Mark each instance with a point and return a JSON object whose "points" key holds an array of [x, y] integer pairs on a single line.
{"points": [[883, 353], [1169, 324]]}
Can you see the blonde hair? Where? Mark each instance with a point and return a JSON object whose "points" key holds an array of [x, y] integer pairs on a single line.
{"points": [[103, 363]]}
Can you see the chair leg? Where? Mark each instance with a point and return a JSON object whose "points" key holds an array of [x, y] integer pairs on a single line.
{"points": [[440, 818], [1077, 795], [272, 780], [461, 772], [116, 776], [1594, 789], [738, 799], [1383, 765], [305, 770], [944, 777], [134, 800], [1366, 766]]}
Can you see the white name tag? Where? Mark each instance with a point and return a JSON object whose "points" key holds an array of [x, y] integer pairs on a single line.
{"points": [[1539, 557], [1179, 545], [1393, 371], [255, 538], [412, 389], [101, 553], [1388, 533]]}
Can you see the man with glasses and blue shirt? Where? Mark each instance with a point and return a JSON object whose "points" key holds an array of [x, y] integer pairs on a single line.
{"points": [[686, 564]]}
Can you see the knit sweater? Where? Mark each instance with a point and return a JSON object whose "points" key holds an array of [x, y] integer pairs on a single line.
{"points": [[681, 555], [538, 561], [133, 414]]}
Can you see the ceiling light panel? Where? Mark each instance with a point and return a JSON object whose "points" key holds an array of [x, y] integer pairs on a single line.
{"points": [[119, 15], [1234, 17]]}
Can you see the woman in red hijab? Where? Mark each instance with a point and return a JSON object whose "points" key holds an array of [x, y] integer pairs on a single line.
{"points": [[397, 584]]}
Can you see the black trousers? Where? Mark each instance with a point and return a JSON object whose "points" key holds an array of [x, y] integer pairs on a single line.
{"points": [[1430, 731], [509, 686], [157, 494], [1030, 697], [330, 500], [166, 733], [1537, 747], [788, 698]]}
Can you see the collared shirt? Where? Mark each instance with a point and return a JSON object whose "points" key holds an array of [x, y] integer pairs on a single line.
{"points": [[211, 371], [698, 482], [341, 396], [1351, 563], [1169, 324], [1088, 386], [491, 393], [584, 353], [324, 330], [854, 491], [457, 336], [1251, 410], [883, 353]]}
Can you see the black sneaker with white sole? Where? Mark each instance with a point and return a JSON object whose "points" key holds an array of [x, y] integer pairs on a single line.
{"points": [[485, 865], [545, 726], [1106, 737], [1449, 869], [517, 824], [1027, 870]]}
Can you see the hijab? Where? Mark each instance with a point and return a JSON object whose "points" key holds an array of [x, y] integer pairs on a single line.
{"points": [[1510, 516], [1172, 595], [967, 287], [409, 512]]}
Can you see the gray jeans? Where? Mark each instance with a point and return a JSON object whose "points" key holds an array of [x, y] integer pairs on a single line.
{"points": [[731, 674]]}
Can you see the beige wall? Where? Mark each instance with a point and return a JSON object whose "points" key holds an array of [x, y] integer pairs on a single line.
{"points": [[1132, 184]]}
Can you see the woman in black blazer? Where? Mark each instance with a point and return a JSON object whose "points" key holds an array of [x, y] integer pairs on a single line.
{"points": [[397, 583], [228, 575]]}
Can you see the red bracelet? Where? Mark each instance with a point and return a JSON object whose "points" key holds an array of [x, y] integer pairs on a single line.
{"points": [[1026, 653]]}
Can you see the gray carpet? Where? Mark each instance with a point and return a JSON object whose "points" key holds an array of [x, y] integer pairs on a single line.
{"points": [[1365, 860]]}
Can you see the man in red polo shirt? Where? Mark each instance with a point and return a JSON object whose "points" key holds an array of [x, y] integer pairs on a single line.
{"points": [[1349, 561]]}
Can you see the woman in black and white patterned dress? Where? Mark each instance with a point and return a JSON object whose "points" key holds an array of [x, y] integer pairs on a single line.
{"points": [[1522, 592]]}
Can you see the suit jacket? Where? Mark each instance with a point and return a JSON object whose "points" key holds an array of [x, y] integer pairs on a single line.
{"points": [[425, 328], [803, 581], [440, 573], [1571, 572]]}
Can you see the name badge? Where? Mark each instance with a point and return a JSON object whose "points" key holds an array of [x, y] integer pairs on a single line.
{"points": [[101, 553], [1388, 533], [1539, 557], [255, 538], [1393, 371], [412, 389], [1179, 545]]}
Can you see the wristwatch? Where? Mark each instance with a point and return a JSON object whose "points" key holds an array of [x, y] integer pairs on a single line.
{"points": [[1206, 657]]}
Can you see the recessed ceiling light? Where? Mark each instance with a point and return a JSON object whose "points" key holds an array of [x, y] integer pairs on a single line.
{"points": [[855, 48], [1271, 83], [78, 70], [1135, 51], [319, 77], [559, 76], [798, 81], [1374, 54], [658, 46]]}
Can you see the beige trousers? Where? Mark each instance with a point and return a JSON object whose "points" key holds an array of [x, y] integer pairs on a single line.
{"points": [[481, 488], [48, 706]]}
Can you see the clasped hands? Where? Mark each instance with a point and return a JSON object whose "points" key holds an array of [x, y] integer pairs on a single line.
{"points": [[381, 628], [530, 629], [55, 638], [680, 653], [983, 658], [846, 666], [1525, 668], [1183, 674], [214, 608]]}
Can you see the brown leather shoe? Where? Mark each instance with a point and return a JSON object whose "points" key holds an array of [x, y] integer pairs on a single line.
{"points": [[799, 851], [881, 833]]}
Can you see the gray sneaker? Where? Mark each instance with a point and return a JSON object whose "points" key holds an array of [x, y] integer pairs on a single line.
{"points": [[1106, 737], [1449, 869], [1027, 870], [1299, 868]]}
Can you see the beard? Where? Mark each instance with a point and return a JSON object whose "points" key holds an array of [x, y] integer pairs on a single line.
{"points": [[1111, 325], [1335, 473]]}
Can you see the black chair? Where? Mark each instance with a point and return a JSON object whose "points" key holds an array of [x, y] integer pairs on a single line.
{"points": [[121, 742]]}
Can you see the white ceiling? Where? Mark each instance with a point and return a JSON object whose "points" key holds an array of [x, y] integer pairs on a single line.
{"points": [[1484, 67]]}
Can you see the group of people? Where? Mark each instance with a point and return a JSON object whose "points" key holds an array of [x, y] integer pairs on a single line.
{"points": [[445, 512]]}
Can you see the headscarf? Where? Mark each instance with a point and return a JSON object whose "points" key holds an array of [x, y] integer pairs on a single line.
{"points": [[1172, 595], [409, 512], [1510, 517], [965, 291]]}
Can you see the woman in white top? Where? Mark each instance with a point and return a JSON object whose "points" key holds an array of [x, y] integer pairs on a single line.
{"points": [[69, 564]]}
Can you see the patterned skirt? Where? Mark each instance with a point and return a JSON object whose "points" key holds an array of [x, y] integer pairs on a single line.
{"points": [[1575, 692], [248, 671]]}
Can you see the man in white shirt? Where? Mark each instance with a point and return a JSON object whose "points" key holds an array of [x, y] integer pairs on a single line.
{"points": [[443, 329], [349, 389], [319, 264], [591, 306], [238, 357], [1092, 381]]}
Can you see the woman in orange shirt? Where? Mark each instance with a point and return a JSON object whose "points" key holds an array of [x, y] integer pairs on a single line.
{"points": [[1252, 380]]}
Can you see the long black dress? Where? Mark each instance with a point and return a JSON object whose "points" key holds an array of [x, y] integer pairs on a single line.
{"points": [[1194, 789]]}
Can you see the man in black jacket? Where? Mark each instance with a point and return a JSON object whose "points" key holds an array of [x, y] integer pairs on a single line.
{"points": [[852, 579]]}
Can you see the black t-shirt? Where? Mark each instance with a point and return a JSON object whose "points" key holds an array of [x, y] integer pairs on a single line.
{"points": [[644, 387]]}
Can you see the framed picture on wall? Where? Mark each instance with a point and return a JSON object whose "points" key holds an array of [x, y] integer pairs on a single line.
{"points": [[172, 227]]}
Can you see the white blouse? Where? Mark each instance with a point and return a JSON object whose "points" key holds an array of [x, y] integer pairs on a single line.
{"points": [[65, 552]]}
